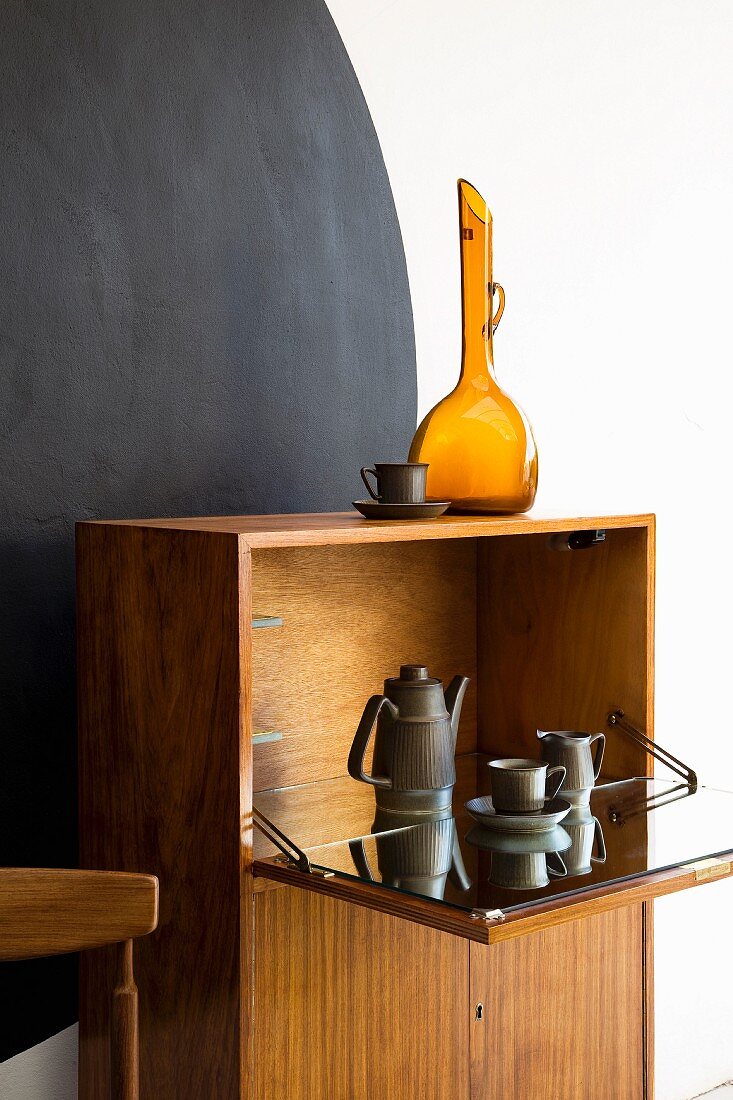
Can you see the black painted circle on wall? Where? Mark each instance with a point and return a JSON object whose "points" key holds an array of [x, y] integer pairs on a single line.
{"points": [[204, 308]]}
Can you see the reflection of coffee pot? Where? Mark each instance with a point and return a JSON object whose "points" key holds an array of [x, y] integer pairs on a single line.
{"points": [[415, 742], [586, 834], [419, 859], [574, 752]]}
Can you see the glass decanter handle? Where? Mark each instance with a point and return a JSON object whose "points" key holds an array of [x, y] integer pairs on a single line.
{"points": [[495, 288]]}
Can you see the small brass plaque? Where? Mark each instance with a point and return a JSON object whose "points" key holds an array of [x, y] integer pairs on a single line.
{"points": [[710, 868]]}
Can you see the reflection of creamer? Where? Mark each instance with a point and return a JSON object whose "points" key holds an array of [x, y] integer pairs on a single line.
{"points": [[482, 454]]}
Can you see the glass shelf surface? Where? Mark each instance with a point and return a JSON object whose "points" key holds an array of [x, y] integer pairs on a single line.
{"points": [[631, 828]]}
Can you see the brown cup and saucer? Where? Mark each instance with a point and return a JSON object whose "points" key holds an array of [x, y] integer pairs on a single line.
{"points": [[399, 492], [524, 797]]}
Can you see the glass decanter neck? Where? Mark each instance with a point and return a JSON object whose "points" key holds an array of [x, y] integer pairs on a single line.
{"points": [[476, 282]]}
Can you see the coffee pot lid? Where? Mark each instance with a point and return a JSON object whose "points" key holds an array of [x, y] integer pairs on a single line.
{"points": [[414, 676]]}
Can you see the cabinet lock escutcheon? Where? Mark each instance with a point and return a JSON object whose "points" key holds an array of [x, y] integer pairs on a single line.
{"points": [[479, 1011]]}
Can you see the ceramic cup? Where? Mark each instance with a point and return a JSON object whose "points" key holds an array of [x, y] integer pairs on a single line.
{"points": [[523, 786], [397, 482]]}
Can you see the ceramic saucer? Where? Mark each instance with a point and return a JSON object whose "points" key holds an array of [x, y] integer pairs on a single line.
{"points": [[426, 509], [482, 810], [552, 840]]}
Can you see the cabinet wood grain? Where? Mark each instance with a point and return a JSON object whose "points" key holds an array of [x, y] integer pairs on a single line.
{"points": [[163, 777], [563, 1012], [355, 1005], [351, 616], [564, 639], [342, 528]]}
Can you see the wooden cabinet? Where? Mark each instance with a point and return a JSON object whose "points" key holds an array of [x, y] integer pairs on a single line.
{"points": [[262, 980]]}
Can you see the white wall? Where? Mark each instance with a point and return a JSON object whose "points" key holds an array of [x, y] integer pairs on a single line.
{"points": [[45, 1072], [600, 134]]}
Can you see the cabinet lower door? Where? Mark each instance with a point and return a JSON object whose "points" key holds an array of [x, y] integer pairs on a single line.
{"points": [[352, 1004], [562, 1014]]}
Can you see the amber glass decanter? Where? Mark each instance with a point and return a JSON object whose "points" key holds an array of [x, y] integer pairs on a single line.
{"points": [[479, 444]]}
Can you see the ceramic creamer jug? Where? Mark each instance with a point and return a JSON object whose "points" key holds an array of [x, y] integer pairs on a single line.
{"points": [[575, 752], [413, 766]]}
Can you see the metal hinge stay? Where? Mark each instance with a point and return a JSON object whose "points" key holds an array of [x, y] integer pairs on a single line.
{"points": [[618, 720], [487, 915], [291, 853]]}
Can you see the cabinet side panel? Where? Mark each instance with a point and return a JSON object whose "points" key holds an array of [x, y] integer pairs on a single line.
{"points": [[159, 747], [564, 1012], [564, 637], [351, 1004]]}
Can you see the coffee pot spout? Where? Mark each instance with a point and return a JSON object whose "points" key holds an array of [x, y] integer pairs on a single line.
{"points": [[454, 695]]}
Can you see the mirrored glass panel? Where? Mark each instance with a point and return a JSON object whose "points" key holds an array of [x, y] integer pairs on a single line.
{"points": [[630, 828]]}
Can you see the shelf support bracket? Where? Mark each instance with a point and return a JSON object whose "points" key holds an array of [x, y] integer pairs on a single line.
{"points": [[618, 720], [292, 853]]}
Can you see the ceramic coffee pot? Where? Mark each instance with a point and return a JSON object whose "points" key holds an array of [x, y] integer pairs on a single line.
{"points": [[575, 752], [413, 766]]}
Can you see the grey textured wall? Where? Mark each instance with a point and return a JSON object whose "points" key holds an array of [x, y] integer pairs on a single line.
{"points": [[203, 309]]}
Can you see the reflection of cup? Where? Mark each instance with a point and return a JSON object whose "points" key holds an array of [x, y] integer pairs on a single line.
{"points": [[523, 786], [521, 861], [525, 870], [397, 482], [586, 834]]}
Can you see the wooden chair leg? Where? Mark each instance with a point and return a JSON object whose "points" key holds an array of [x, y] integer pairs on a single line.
{"points": [[124, 1038]]}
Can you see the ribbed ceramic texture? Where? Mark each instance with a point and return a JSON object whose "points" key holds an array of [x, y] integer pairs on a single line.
{"points": [[519, 791], [424, 851], [525, 871], [422, 755], [575, 754], [400, 483]]}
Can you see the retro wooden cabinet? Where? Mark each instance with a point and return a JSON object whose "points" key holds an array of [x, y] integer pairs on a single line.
{"points": [[223, 661]]}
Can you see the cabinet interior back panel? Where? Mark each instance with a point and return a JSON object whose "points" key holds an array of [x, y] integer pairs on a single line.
{"points": [[351, 616]]}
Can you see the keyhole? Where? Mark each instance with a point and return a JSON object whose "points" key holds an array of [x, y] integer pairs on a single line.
{"points": [[479, 1011]]}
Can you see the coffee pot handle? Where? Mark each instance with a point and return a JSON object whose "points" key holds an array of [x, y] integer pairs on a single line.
{"points": [[361, 740], [458, 874], [600, 844], [359, 856], [598, 758]]}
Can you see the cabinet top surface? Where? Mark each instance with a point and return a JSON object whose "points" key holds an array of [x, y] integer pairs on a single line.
{"points": [[323, 528]]}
